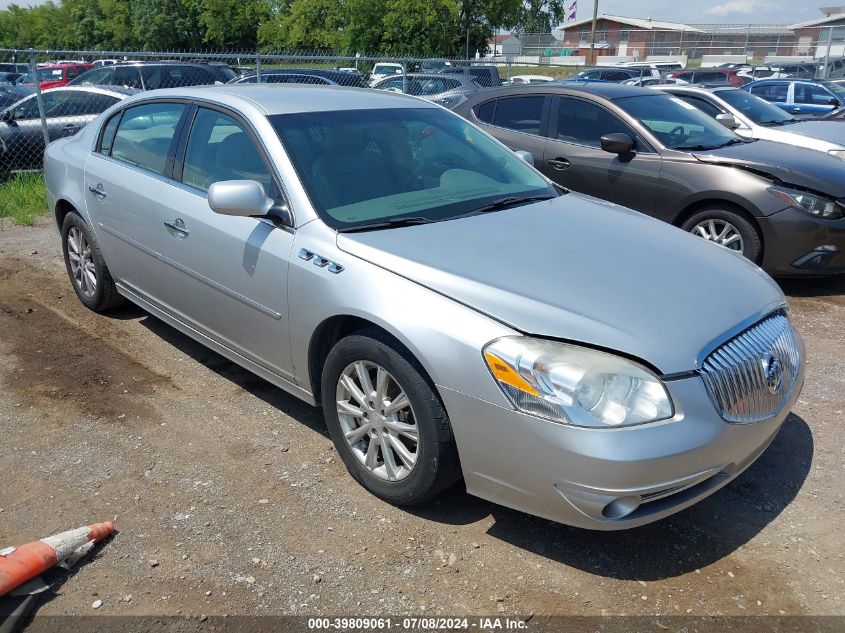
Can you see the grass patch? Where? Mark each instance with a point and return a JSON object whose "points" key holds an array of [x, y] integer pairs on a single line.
{"points": [[23, 198]]}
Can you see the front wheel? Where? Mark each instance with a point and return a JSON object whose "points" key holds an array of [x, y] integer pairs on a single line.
{"points": [[385, 420], [727, 229]]}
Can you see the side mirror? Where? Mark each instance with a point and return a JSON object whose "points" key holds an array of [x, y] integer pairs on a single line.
{"points": [[728, 120], [8, 115], [245, 198], [618, 143], [834, 102], [525, 156]]}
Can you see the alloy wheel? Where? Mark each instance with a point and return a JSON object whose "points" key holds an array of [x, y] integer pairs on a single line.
{"points": [[81, 261], [377, 420], [720, 232]]}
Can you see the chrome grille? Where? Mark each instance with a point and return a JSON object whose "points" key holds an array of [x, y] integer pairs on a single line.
{"points": [[751, 377]]}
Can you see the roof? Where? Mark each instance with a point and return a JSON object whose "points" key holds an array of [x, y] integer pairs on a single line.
{"points": [[271, 99], [836, 17], [604, 89], [642, 23]]}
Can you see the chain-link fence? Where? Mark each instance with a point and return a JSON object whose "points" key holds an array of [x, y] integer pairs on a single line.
{"points": [[45, 95]]}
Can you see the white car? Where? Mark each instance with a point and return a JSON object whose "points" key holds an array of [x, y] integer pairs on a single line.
{"points": [[753, 117], [530, 79], [384, 69]]}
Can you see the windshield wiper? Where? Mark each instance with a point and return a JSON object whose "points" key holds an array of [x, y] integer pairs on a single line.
{"points": [[503, 203], [774, 123], [392, 223], [699, 148]]}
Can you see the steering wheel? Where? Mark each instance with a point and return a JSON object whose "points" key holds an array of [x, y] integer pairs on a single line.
{"points": [[437, 164], [678, 132]]}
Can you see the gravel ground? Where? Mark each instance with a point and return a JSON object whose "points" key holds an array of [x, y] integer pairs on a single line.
{"points": [[229, 498]]}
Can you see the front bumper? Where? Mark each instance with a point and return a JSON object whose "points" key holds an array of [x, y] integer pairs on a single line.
{"points": [[605, 479], [796, 243]]}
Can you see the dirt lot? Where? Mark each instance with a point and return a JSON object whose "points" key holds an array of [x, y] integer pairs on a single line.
{"points": [[230, 499]]}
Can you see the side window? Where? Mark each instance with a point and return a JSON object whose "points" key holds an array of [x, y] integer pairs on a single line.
{"points": [[219, 148], [685, 76], [99, 77], [145, 134], [29, 109], [391, 84], [109, 131], [705, 106], [812, 95], [585, 123], [484, 112], [521, 114], [128, 76]]}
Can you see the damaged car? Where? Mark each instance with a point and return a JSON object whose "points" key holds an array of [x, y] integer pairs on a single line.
{"points": [[783, 207]]}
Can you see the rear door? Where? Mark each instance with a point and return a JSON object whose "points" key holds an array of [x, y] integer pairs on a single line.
{"points": [[813, 100], [127, 180], [520, 122], [776, 92], [229, 274], [574, 157]]}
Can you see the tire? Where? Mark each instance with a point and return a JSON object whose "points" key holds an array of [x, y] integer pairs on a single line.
{"points": [[436, 465], [103, 295], [699, 222]]}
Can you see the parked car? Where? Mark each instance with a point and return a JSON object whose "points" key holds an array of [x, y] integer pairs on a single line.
{"points": [[484, 76], [55, 75], [20, 69], [66, 110], [658, 68], [9, 78], [441, 89], [384, 69], [799, 70], [303, 76], [10, 94], [803, 97], [753, 117], [153, 75], [530, 79], [709, 76], [351, 247], [659, 155], [836, 115], [617, 75], [434, 65], [106, 62], [652, 81], [762, 72]]}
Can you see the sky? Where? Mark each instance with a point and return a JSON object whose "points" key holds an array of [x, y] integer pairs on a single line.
{"points": [[710, 11], [689, 11]]}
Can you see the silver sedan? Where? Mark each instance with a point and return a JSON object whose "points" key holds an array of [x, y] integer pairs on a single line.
{"points": [[456, 315]]}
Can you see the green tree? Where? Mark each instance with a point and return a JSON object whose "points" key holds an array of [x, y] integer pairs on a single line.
{"points": [[234, 24], [479, 19], [540, 16], [168, 25], [307, 24], [422, 29]]}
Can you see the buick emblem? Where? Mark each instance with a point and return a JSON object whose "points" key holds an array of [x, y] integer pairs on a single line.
{"points": [[772, 372]]}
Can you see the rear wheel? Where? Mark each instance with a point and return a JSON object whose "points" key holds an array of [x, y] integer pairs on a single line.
{"points": [[86, 267], [728, 229], [385, 420]]}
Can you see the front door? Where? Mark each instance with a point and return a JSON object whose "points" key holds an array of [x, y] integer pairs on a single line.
{"points": [[573, 156], [229, 277]]}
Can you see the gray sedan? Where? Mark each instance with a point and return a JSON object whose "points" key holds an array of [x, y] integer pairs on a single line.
{"points": [[655, 153], [456, 315], [443, 89]]}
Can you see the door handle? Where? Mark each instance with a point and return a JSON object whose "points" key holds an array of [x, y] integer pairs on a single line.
{"points": [[558, 163], [97, 191], [178, 227]]}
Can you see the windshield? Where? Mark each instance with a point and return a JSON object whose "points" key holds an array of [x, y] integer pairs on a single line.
{"points": [[835, 88], [758, 110], [677, 124], [366, 166]]}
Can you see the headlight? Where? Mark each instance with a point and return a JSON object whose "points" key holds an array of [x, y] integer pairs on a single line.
{"points": [[817, 206], [837, 153], [576, 385]]}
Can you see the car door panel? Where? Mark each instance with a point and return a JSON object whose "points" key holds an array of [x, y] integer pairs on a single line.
{"points": [[576, 160], [520, 122], [229, 277], [126, 185]]}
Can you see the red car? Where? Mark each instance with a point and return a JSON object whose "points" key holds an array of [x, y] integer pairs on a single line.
{"points": [[55, 75], [708, 76]]}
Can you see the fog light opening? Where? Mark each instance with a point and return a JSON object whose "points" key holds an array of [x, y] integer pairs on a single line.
{"points": [[621, 508]]}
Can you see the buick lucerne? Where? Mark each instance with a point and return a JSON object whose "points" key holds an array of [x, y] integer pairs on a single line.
{"points": [[456, 315]]}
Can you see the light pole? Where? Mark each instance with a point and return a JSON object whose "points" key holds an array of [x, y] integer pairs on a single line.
{"points": [[593, 35]]}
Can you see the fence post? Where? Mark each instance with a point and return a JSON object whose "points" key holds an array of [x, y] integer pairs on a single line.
{"points": [[405, 77], [33, 67], [510, 59], [825, 72], [258, 69]]}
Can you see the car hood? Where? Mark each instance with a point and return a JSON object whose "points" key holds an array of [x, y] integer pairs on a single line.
{"points": [[805, 168], [822, 130], [583, 270]]}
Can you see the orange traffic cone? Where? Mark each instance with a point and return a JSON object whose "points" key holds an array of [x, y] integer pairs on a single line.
{"points": [[20, 564]]}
